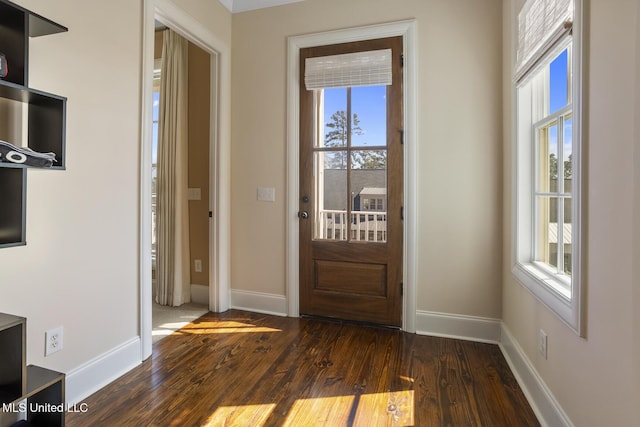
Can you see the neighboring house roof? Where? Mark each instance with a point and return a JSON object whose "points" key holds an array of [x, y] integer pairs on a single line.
{"points": [[335, 185], [373, 191]]}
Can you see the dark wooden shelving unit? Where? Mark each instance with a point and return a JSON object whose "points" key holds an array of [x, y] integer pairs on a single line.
{"points": [[31, 392], [46, 114]]}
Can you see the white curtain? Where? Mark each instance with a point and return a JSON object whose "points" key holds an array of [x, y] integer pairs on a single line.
{"points": [[173, 273]]}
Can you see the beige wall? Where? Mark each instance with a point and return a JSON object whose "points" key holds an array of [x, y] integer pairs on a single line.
{"points": [[79, 268], [592, 377], [199, 113], [459, 125], [636, 234]]}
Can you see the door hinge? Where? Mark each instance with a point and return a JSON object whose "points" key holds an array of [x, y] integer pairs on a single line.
{"points": [[210, 214], [402, 60], [402, 136], [401, 289], [402, 213]]}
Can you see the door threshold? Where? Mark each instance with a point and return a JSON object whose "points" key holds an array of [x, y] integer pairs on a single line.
{"points": [[350, 322]]}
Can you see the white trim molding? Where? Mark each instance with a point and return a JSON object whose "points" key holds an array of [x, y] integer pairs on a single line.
{"points": [[408, 31], [542, 401], [237, 6], [469, 328], [90, 377], [259, 302]]}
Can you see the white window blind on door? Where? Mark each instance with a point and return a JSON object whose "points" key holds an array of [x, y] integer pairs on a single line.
{"points": [[370, 68], [541, 23]]}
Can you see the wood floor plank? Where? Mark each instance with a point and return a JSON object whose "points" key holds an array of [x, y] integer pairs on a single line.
{"points": [[247, 369]]}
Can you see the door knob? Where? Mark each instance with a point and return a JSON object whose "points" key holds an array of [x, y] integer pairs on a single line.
{"points": [[303, 214]]}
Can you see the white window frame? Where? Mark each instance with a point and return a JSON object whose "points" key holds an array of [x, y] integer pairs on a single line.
{"points": [[564, 296]]}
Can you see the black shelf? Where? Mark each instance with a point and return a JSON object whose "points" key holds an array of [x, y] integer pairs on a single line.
{"points": [[43, 390], [47, 118], [16, 25], [13, 181], [46, 121], [12, 357]]}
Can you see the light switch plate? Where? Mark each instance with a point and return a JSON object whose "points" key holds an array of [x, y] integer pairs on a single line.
{"points": [[195, 194], [266, 194]]}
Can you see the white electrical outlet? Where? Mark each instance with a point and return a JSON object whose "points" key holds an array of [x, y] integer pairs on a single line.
{"points": [[53, 341], [198, 265], [542, 343]]}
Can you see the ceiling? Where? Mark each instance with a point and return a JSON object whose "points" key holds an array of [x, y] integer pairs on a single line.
{"points": [[236, 6]]}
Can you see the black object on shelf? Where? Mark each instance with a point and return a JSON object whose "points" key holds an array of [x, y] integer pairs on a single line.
{"points": [[4, 67], [25, 156]]}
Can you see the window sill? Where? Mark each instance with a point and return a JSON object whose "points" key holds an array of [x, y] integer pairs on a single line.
{"points": [[551, 289]]}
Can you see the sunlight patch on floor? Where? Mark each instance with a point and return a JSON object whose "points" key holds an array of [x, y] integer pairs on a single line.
{"points": [[212, 327], [374, 409], [319, 411], [245, 415]]}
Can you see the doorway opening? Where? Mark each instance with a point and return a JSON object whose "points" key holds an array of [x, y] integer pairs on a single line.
{"points": [[192, 293], [217, 213]]}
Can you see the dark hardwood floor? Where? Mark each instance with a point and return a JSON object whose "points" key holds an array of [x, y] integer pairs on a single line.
{"points": [[247, 369]]}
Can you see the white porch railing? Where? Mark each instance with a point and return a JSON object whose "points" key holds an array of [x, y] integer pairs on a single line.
{"points": [[366, 226]]}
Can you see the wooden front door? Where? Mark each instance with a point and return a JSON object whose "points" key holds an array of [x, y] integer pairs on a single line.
{"points": [[351, 188]]}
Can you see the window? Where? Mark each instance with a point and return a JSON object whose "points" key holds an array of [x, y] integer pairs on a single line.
{"points": [[547, 159], [154, 156]]}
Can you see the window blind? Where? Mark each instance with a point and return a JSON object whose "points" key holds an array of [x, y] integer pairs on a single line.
{"points": [[369, 68], [541, 23]]}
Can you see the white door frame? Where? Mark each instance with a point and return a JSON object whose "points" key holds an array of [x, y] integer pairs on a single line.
{"points": [[178, 20], [406, 29]]}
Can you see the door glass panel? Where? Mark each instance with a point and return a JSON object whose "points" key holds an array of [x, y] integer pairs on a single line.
{"points": [[368, 195], [332, 117], [350, 180], [369, 116], [330, 212]]}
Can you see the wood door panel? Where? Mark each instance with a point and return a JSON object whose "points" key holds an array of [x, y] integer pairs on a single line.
{"points": [[351, 278], [355, 252], [360, 308]]}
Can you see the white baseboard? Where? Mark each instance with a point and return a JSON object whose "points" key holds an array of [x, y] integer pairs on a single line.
{"points": [[468, 328], [259, 302], [90, 377], [200, 294], [542, 401]]}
